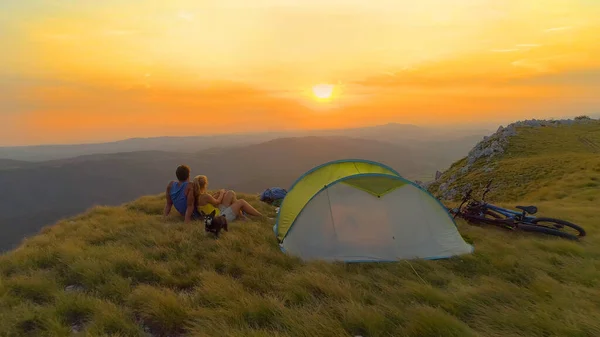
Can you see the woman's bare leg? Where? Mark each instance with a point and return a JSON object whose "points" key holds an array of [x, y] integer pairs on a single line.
{"points": [[229, 199], [243, 205]]}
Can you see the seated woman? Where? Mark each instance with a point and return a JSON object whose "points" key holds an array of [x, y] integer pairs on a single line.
{"points": [[224, 203]]}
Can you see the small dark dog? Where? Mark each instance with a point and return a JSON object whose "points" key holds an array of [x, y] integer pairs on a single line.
{"points": [[214, 224]]}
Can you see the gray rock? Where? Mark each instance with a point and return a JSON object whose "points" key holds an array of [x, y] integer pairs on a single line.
{"points": [[443, 187], [492, 145], [541, 123], [510, 131], [438, 175], [76, 327], [147, 329], [452, 179], [450, 194], [533, 123], [73, 288]]}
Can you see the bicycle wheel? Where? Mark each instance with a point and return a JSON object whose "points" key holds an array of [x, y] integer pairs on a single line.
{"points": [[560, 225], [545, 230]]}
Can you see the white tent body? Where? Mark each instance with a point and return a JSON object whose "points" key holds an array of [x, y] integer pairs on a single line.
{"points": [[345, 223]]}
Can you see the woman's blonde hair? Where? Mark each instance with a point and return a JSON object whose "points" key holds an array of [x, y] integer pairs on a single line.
{"points": [[200, 183]]}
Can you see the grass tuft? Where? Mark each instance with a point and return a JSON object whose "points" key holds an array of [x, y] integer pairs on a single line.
{"points": [[427, 321], [163, 311], [31, 288]]}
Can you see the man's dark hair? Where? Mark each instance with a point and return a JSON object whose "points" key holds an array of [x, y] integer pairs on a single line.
{"points": [[183, 172]]}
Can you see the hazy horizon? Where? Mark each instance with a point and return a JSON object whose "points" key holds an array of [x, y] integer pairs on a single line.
{"points": [[89, 72], [489, 127], [483, 127]]}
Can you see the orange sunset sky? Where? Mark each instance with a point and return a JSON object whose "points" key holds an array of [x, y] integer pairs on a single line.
{"points": [[87, 71]]}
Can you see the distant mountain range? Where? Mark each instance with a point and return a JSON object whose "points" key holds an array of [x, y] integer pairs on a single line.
{"points": [[10, 163], [40, 193], [394, 133]]}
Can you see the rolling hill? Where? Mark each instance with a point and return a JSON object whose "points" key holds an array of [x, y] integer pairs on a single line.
{"points": [[41, 193], [127, 271], [12, 164]]}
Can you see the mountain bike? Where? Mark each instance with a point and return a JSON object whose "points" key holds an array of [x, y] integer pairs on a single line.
{"points": [[482, 212]]}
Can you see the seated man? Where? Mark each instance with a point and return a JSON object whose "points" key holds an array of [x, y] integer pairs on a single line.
{"points": [[224, 203], [181, 195]]}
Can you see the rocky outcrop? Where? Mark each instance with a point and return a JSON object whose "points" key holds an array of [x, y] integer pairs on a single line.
{"points": [[496, 144], [493, 146], [426, 184], [489, 147], [554, 122]]}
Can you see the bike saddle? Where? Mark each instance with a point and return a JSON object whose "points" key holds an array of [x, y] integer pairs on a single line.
{"points": [[528, 209]]}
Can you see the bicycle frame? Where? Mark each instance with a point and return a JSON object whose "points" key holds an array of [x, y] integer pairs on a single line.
{"points": [[481, 212], [508, 213]]}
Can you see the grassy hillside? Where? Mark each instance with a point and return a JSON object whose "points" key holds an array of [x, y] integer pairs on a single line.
{"points": [[124, 271], [553, 163]]}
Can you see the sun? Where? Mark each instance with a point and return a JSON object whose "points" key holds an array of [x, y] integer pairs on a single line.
{"points": [[323, 91]]}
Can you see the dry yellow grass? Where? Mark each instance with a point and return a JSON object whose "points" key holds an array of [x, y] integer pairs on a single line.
{"points": [[136, 273], [124, 271]]}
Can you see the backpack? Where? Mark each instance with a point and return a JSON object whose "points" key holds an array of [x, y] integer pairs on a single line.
{"points": [[273, 195]]}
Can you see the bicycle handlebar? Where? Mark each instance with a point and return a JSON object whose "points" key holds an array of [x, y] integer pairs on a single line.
{"points": [[486, 189], [465, 199]]}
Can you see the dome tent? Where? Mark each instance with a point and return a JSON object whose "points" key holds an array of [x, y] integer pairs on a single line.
{"points": [[358, 210]]}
